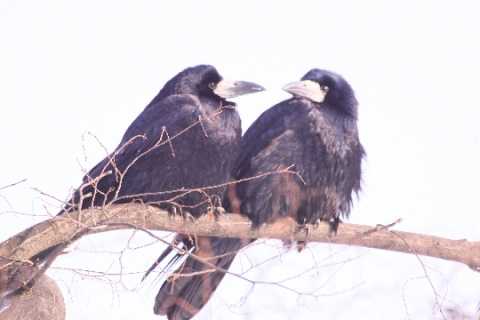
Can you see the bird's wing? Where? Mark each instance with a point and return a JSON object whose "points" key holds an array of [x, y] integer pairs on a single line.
{"points": [[170, 115], [154, 127], [269, 126]]}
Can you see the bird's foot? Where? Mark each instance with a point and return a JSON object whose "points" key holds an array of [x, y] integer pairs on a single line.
{"points": [[334, 223], [216, 212], [215, 209], [187, 216], [173, 209], [306, 227]]}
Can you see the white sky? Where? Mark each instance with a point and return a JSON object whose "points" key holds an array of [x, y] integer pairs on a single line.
{"points": [[68, 67]]}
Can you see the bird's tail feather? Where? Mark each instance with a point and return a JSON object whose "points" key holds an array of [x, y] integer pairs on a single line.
{"points": [[179, 239], [187, 290]]}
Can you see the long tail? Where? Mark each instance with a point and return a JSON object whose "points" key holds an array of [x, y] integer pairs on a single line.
{"points": [[186, 291], [179, 239]]}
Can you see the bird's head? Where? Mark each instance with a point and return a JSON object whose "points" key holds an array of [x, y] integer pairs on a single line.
{"points": [[326, 88], [204, 80]]}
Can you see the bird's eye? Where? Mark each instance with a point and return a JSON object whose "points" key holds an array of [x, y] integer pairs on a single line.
{"points": [[324, 88], [212, 85]]}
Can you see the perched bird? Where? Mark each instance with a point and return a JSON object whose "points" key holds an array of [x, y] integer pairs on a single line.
{"points": [[187, 138], [314, 135]]}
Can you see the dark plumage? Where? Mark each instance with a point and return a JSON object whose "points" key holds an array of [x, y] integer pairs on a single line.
{"points": [[183, 297], [315, 135], [186, 139]]}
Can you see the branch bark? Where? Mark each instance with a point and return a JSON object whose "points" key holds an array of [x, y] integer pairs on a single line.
{"points": [[72, 226], [43, 301]]}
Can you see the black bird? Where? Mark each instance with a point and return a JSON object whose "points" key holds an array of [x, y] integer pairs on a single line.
{"points": [[187, 138], [315, 135]]}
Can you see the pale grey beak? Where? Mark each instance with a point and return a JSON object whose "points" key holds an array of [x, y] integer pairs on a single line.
{"points": [[230, 89], [308, 89]]}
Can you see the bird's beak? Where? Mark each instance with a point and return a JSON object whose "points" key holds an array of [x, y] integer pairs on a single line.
{"points": [[306, 88], [229, 89]]}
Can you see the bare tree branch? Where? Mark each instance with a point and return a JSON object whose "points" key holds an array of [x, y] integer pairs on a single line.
{"points": [[72, 226]]}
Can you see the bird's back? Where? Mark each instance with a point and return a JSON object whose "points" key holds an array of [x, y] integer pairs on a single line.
{"points": [[317, 160], [178, 144]]}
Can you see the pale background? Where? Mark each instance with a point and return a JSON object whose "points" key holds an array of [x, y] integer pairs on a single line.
{"points": [[68, 67]]}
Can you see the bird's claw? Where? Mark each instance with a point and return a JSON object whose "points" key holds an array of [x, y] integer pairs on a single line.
{"points": [[176, 209], [215, 212], [305, 227], [187, 216], [334, 223], [173, 210], [215, 208]]}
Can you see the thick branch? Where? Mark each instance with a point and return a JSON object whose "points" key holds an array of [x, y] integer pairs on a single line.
{"points": [[74, 225]]}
